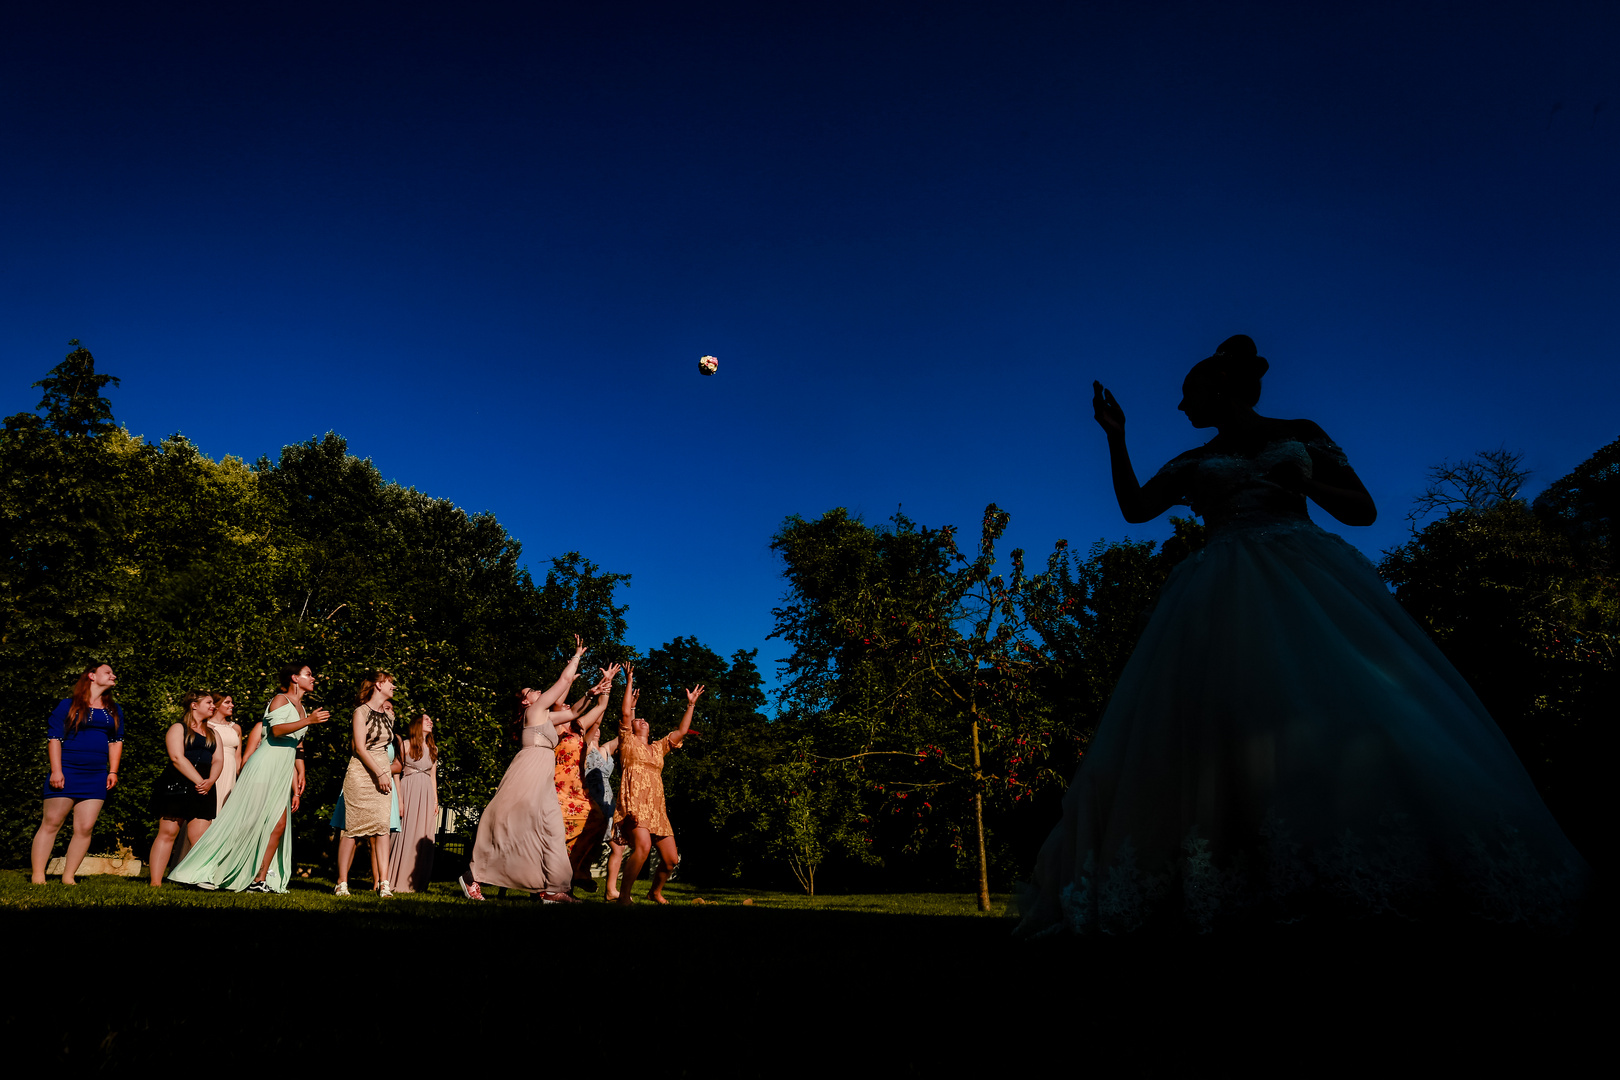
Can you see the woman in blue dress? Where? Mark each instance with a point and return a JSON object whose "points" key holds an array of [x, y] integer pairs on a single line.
{"points": [[85, 740], [1285, 738]]}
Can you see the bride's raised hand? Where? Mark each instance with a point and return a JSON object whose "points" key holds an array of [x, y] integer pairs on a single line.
{"points": [[1110, 417]]}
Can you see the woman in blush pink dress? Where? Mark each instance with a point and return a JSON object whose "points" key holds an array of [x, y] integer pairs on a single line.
{"points": [[410, 858], [522, 841]]}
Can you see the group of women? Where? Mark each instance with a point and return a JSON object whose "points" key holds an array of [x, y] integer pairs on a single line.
{"points": [[556, 802], [225, 795]]}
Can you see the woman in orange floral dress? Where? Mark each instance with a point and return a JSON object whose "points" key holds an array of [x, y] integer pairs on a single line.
{"points": [[641, 816], [571, 796]]}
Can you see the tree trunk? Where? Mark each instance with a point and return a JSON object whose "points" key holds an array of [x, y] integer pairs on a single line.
{"points": [[978, 821]]}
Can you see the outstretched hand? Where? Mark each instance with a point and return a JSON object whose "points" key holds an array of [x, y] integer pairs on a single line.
{"points": [[579, 646], [693, 694], [1110, 417]]}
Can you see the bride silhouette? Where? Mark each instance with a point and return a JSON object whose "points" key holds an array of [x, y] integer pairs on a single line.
{"points": [[1285, 738]]}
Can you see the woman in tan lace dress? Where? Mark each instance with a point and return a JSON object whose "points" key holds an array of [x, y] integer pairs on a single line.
{"points": [[368, 785], [641, 815]]}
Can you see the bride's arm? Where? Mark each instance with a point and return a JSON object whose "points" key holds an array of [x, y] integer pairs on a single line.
{"points": [[1138, 502], [1333, 484]]}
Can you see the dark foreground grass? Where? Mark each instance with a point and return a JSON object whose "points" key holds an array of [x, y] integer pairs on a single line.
{"points": [[111, 976]]}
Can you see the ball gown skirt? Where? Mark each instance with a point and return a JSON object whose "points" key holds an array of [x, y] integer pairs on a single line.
{"points": [[521, 842], [1286, 738], [228, 854]]}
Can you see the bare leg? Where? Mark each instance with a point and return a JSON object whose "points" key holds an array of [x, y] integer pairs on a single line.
{"points": [[668, 857], [270, 848], [345, 857], [85, 812], [163, 843], [56, 812], [379, 860], [615, 859], [579, 856], [641, 841], [196, 827]]}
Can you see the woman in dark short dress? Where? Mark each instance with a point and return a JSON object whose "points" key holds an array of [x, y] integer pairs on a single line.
{"points": [[85, 738], [183, 796]]}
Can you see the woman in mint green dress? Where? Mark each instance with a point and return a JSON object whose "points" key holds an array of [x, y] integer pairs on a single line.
{"points": [[245, 849]]}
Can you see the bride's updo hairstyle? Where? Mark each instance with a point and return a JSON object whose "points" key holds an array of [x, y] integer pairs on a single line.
{"points": [[1234, 371]]}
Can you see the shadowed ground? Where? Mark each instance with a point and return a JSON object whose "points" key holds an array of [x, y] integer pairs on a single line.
{"points": [[903, 985]]}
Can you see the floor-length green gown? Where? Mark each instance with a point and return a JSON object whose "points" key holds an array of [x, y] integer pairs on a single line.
{"points": [[229, 853]]}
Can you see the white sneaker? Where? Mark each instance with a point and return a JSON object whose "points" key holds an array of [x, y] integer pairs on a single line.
{"points": [[384, 890], [342, 889]]}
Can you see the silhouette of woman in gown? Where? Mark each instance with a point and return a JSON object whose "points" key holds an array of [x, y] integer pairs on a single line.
{"points": [[1285, 738]]}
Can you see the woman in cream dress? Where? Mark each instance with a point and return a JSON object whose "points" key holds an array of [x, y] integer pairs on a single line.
{"points": [[522, 841]]}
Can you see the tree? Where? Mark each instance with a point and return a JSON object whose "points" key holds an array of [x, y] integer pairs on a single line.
{"points": [[918, 670], [1487, 479], [73, 402], [1585, 504], [1531, 618]]}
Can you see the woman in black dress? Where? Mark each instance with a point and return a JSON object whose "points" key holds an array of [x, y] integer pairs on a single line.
{"points": [[184, 793]]}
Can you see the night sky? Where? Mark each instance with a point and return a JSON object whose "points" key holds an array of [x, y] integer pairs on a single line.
{"points": [[488, 246]]}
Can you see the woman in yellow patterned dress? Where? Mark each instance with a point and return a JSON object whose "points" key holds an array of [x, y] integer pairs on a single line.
{"points": [[641, 816]]}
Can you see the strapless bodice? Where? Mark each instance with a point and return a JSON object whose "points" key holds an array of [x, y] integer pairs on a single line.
{"points": [[543, 735]]}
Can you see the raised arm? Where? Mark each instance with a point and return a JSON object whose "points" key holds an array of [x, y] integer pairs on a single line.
{"points": [[627, 707], [579, 710], [679, 733], [569, 673], [1137, 502]]}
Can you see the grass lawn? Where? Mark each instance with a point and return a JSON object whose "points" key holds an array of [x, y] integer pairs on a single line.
{"points": [[111, 975]]}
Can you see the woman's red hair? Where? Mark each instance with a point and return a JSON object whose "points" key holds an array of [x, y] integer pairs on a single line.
{"points": [[79, 711]]}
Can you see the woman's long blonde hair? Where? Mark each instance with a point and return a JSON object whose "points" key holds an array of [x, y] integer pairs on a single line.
{"points": [[191, 698]]}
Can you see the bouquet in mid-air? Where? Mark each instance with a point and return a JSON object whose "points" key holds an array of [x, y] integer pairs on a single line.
{"points": [[708, 364]]}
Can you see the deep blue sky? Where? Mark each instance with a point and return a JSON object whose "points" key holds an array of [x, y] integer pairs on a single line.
{"points": [[489, 245]]}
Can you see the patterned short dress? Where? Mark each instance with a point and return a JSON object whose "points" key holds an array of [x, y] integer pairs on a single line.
{"points": [[571, 797], [641, 787]]}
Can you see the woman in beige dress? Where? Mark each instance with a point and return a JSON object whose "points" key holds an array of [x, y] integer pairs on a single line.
{"points": [[410, 854], [228, 738], [522, 842], [641, 816], [368, 784]]}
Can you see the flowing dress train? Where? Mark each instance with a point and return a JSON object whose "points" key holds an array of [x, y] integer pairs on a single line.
{"points": [[227, 856], [521, 840]]}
